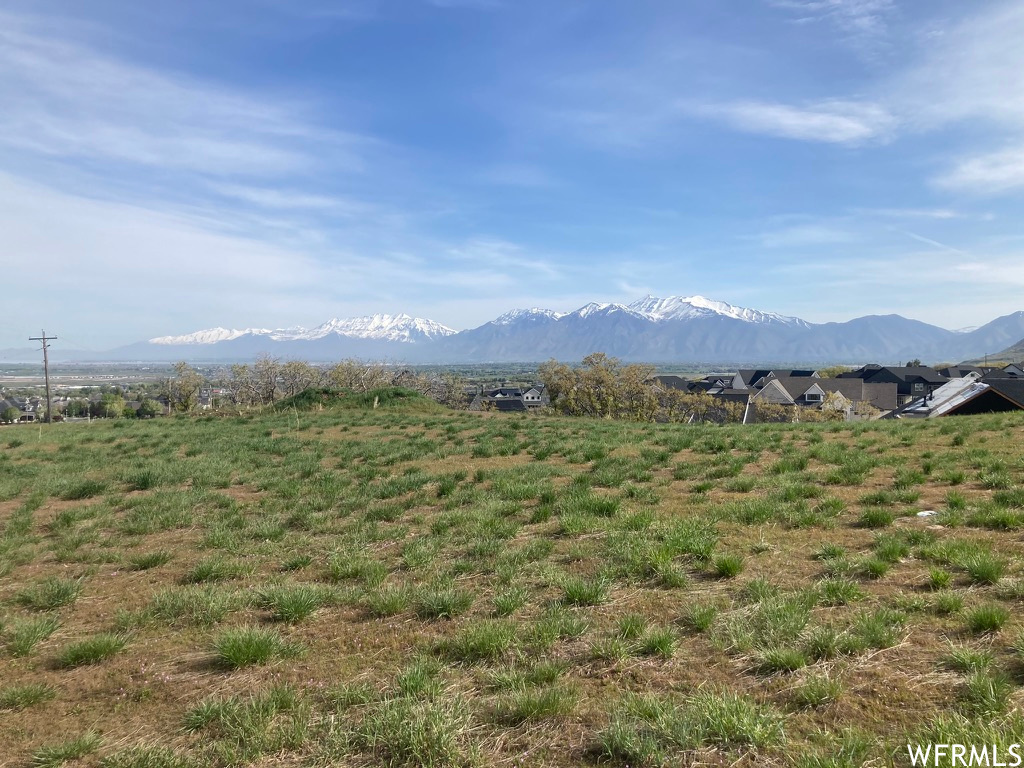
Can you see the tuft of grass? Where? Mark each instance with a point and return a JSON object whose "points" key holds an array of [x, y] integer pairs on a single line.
{"points": [[419, 678], [964, 659], [728, 566], [23, 635], [213, 569], [247, 646], [54, 755], [479, 641], [986, 693], [658, 641], [654, 730], [146, 756], [876, 517], [416, 732], [839, 591], [581, 590], [535, 704], [783, 659], [984, 567], [82, 489], [18, 697], [987, 618], [49, 595], [203, 605], [510, 600], [939, 578], [816, 691], [444, 602], [92, 650], [389, 600], [946, 603], [293, 602], [632, 626], [700, 616], [147, 560], [873, 567]]}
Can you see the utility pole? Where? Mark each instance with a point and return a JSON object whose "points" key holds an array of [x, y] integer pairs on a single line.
{"points": [[46, 372]]}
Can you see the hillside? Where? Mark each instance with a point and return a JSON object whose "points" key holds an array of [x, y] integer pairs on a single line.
{"points": [[1012, 354], [339, 584]]}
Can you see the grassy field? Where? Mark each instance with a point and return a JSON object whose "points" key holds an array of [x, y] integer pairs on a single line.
{"points": [[411, 586]]}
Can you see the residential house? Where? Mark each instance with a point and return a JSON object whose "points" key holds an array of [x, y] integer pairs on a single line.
{"points": [[911, 382], [847, 395], [749, 378], [511, 398], [970, 394]]}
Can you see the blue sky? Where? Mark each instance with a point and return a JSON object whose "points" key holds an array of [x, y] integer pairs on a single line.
{"points": [[166, 167]]}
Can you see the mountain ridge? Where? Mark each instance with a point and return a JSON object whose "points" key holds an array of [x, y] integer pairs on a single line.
{"points": [[676, 329]]}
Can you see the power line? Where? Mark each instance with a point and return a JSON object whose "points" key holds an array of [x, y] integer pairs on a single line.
{"points": [[46, 372]]}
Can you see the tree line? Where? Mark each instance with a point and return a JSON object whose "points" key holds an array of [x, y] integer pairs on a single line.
{"points": [[268, 380], [603, 386]]}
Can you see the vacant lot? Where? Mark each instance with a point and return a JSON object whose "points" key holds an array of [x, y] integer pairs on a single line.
{"points": [[412, 586]]}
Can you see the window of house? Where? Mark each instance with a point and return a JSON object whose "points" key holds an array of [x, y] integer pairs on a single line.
{"points": [[812, 397]]}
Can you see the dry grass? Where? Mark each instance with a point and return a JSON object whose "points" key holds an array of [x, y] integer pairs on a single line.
{"points": [[460, 601]]}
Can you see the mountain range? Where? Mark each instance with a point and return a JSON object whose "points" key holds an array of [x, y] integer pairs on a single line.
{"points": [[674, 329]]}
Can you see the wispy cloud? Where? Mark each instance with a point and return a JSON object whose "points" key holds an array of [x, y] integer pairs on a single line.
{"points": [[863, 23], [62, 99], [834, 121], [991, 173]]}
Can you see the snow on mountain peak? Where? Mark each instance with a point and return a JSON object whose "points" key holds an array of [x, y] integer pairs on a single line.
{"points": [[387, 327], [521, 314], [208, 336], [399, 327], [685, 307]]}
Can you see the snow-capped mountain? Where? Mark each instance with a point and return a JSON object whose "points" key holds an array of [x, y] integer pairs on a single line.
{"points": [[604, 310], [684, 307], [651, 329], [534, 313], [402, 327], [209, 336]]}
